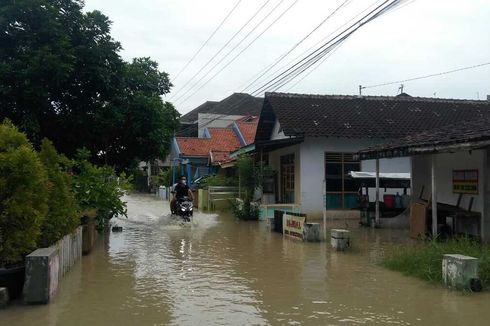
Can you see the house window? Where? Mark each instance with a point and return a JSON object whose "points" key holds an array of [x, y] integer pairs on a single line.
{"points": [[287, 179], [341, 191]]}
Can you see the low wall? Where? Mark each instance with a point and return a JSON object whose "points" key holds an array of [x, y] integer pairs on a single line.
{"points": [[45, 267], [70, 250]]}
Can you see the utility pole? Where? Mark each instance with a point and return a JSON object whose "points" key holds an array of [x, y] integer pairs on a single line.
{"points": [[360, 89]]}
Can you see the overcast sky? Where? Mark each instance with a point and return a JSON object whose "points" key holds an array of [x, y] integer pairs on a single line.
{"points": [[423, 37]]}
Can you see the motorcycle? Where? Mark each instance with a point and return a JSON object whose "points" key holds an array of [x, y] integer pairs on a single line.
{"points": [[184, 208]]}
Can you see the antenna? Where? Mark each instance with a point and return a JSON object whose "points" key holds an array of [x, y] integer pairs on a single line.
{"points": [[401, 88], [360, 89]]}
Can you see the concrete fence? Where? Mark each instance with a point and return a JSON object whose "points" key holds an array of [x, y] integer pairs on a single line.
{"points": [[45, 267], [70, 250]]}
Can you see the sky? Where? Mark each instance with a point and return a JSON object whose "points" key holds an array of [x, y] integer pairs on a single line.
{"points": [[419, 38]]}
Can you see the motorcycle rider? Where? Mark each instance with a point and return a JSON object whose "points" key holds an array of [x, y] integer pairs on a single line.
{"points": [[181, 189]]}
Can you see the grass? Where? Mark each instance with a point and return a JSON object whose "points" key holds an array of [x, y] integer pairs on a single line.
{"points": [[425, 260]]}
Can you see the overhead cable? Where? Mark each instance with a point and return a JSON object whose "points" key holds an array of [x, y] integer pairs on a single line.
{"points": [[207, 41]]}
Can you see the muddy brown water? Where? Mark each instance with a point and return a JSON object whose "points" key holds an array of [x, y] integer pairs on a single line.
{"points": [[221, 271]]}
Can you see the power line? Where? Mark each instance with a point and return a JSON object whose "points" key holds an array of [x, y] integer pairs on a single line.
{"points": [[222, 48], [242, 50], [280, 58], [206, 42], [316, 55], [313, 46], [315, 67], [428, 76], [328, 47]]}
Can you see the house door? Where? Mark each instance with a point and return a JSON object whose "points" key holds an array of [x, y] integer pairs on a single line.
{"points": [[287, 179]]}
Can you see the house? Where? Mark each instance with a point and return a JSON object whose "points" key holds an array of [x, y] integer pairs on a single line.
{"points": [[451, 166], [198, 156], [219, 114], [311, 141]]}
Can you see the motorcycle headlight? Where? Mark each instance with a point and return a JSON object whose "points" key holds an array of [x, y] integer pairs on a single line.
{"points": [[182, 209], [190, 208]]}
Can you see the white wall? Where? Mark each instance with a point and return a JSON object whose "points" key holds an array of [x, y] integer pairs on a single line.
{"points": [[275, 163], [211, 120], [486, 205], [312, 157], [445, 164], [277, 133]]}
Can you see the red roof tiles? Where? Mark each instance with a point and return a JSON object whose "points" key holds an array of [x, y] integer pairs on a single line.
{"points": [[221, 143]]}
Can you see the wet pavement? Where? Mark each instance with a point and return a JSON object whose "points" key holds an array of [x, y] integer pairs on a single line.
{"points": [[221, 271]]}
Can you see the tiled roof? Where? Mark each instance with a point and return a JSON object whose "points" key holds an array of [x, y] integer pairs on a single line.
{"points": [[218, 157], [192, 116], [223, 139], [235, 104], [469, 133], [248, 128], [193, 146], [363, 117]]}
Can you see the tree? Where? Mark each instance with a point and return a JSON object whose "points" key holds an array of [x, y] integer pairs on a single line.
{"points": [[62, 78], [62, 217], [23, 195]]}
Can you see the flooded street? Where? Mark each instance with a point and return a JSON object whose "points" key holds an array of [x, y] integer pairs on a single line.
{"points": [[221, 271]]}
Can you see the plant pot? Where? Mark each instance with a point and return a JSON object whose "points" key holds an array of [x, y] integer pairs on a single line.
{"points": [[13, 279]]}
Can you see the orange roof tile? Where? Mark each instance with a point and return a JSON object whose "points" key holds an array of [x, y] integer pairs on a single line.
{"points": [[218, 157], [192, 146], [223, 139], [248, 130]]}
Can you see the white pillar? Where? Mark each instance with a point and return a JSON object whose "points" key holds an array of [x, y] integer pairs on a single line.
{"points": [[377, 192], [324, 210], [148, 164], [434, 196]]}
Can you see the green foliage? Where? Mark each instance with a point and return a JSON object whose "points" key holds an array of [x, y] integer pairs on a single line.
{"points": [[251, 176], [164, 178], [219, 180], [63, 216], [98, 187], [23, 195], [245, 210], [62, 78], [247, 174], [425, 260]]}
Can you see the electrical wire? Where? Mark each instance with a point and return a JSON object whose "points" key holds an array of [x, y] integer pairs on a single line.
{"points": [[207, 41], [328, 48], [428, 76], [313, 46], [316, 55], [241, 51], [280, 58], [222, 48]]}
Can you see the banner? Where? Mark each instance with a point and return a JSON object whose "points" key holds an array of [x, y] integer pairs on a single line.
{"points": [[294, 226], [465, 182]]}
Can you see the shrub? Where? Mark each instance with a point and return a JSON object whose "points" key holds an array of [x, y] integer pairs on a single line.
{"points": [[99, 188], [162, 179], [245, 210], [218, 180], [23, 195], [62, 217]]}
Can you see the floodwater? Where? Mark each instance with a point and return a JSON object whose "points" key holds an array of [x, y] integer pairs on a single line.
{"points": [[221, 271]]}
